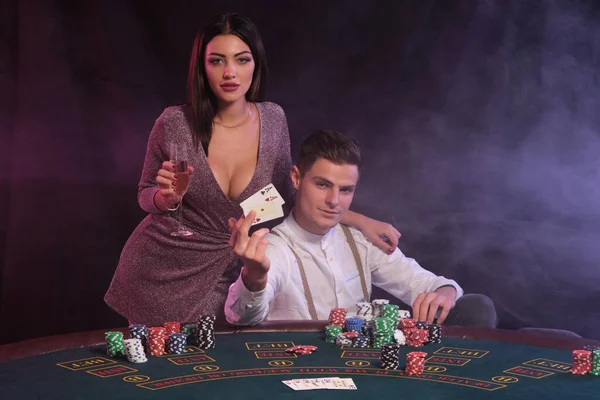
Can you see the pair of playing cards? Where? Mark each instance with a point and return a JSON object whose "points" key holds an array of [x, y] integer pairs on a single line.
{"points": [[267, 203], [321, 383]]}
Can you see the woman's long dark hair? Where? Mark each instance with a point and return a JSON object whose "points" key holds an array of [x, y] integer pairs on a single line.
{"points": [[201, 98]]}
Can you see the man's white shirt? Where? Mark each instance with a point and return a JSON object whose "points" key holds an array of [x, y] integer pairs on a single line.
{"points": [[332, 276]]}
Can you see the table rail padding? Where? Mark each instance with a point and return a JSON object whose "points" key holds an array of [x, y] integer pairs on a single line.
{"points": [[50, 344]]}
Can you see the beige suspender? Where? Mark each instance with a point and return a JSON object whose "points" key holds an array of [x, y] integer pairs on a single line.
{"points": [[357, 260], [309, 300]]}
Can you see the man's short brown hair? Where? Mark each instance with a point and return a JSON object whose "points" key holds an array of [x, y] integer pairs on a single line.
{"points": [[330, 145]]}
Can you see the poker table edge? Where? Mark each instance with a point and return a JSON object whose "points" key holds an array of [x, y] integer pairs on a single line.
{"points": [[50, 344]]}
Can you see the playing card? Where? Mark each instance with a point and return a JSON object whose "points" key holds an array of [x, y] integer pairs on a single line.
{"points": [[268, 194], [264, 212], [314, 383], [300, 385], [266, 203], [329, 382], [290, 384], [345, 383]]}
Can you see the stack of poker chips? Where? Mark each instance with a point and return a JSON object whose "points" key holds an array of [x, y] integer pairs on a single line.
{"points": [[415, 337], [114, 344], [582, 362], [346, 338], [354, 324], [365, 311], [361, 341], [134, 350], [407, 323], [139, 331], [374, 332], [435, 333], [367, 331], [423, 326], [415, 363], [389, 356], [596, 363], [189, 331], [332, 332], [383, 331], [337, 316], [172, 327], [157, 337], [205, 330], [391, 311], [176, 343], [378, 307]]}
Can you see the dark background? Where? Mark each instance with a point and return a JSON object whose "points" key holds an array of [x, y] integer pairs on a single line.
{"points": [[478, 119]]}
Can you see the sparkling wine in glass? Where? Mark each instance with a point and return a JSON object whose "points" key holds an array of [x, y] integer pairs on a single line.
{"points": [[179, 158]]}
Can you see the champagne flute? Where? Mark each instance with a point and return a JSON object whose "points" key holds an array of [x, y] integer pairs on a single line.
{"points": [[179, 157]]}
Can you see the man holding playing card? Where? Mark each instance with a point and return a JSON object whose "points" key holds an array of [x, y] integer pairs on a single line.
{"points": [[311, 263]]}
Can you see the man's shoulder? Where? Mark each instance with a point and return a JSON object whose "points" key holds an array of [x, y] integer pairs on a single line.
{"points": [[341, 231], [280, 234]]}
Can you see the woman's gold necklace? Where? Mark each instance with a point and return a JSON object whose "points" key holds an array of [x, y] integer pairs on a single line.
{"points": [[238, 124]]}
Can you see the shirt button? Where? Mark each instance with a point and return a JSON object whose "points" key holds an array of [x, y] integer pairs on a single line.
{"points": [[331, 259]]}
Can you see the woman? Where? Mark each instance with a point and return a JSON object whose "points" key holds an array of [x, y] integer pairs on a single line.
{"points": [[236, 146]]}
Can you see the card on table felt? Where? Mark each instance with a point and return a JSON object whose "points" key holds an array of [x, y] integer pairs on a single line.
{"points": [[321, 383], [266, 203]]}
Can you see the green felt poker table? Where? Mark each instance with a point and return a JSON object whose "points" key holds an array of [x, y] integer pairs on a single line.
{"points": [[251, 363]]}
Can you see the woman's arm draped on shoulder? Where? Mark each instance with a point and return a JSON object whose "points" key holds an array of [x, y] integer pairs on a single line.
{"points": [[283, 165], [381, 234], [155, 155]]}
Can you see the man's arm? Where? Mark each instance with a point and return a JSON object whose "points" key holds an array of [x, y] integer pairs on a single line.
{"points": [[248, 299], [264, 273], [381, 234], [404, 278], [244, 307]]}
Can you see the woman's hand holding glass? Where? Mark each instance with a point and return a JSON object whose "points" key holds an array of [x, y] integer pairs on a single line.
{"points": [[173, 185]]}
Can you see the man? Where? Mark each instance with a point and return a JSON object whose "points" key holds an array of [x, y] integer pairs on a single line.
{"points": [[311, 263]]}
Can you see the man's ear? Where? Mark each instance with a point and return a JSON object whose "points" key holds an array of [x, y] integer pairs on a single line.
{"points": [[295, 176]]}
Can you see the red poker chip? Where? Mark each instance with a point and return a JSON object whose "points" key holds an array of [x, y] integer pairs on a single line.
{"points": [[302, 349], [582, 353], [350, 334], [417, 354]]}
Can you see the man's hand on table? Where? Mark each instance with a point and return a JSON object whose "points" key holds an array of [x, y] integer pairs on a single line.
{"points": [[426, 305]]}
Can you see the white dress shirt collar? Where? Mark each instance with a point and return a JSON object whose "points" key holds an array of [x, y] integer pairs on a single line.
{"points": [[305, 236]]}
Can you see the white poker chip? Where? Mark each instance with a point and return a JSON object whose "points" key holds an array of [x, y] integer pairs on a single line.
{"points": [[399, 337]]}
